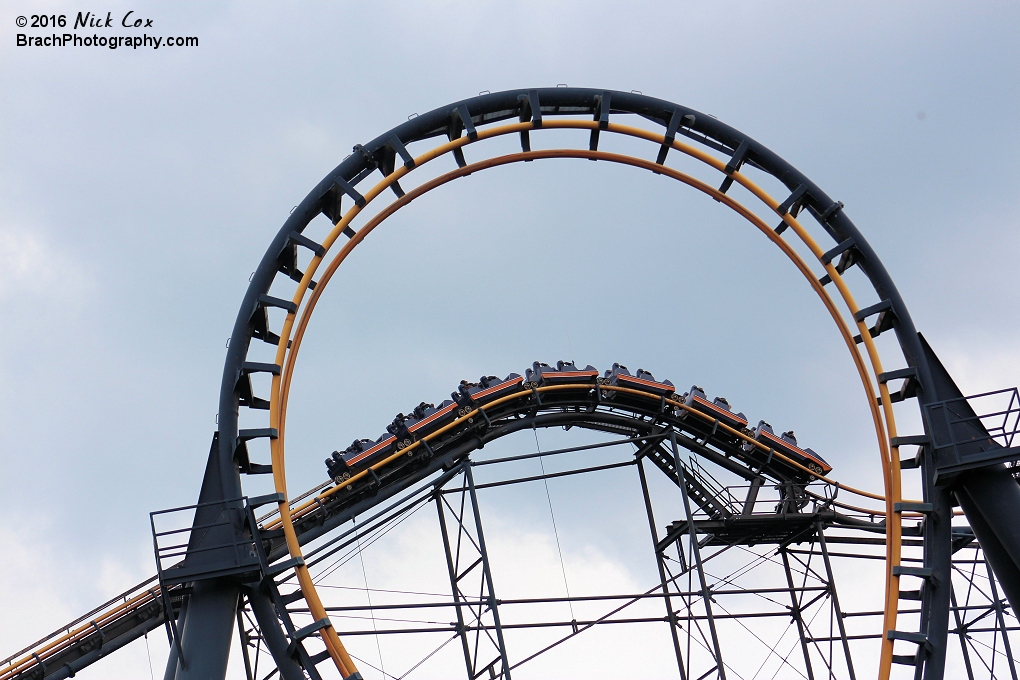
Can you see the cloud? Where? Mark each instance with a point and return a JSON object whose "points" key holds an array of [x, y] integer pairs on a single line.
{"points": [[33, 267], [981, 365]]}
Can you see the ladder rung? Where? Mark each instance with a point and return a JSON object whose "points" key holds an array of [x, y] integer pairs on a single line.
{"points": [[291, 598], [737, 159], [303, 240], [913, 507], [667, 140], [259, 501], [910, 594], [904, 660], [920, 572], [281, 567], [793, 200], [342, 184], [838, 250], [467, 121], [908, 372], [917, 638], [257, 433], [270, 301], [897, 397], [910, 463], [301, 633], [882, 306], [316, 659], [401, 150], [910, 440], [257, 367]]}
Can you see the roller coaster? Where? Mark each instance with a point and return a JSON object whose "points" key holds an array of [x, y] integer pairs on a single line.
{"points": [[749, 532]]}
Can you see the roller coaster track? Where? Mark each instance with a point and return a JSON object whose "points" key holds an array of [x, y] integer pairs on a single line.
{"points": [[645, 421], [638, 416], [961, 458]]}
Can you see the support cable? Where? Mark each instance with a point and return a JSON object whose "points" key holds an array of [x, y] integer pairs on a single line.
{"points": [[380, 531], [371, 611], [148, 655], [427, 657], [556, 533]]}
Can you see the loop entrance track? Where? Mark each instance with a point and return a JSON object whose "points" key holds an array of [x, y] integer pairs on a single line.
{"points": [[645, 420], [89, 638], [808, 509], [637, 415]]}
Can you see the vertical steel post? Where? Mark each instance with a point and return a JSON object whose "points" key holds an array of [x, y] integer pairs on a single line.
{"points": [[206, 633], [454, 587], [835, 601], [269, 624], [485, 567], [1001, 620], [706, 592], [962, 633], [670, 614], [242, 636], [795, 612]]}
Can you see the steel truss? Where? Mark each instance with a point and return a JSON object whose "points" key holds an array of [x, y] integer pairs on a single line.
{"points": [[785, 578]]}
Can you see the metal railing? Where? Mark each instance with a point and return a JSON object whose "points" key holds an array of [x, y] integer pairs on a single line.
{"points": [[218, 546], [973, 431]]}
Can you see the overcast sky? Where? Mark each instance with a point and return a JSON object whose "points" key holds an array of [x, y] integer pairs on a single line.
{"points": [[140, 188]]}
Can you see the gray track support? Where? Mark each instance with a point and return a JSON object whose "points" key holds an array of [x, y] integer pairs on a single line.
{"points": [[797, 618], [460, 549], [696, 550], [670, 613], [206, 631]]}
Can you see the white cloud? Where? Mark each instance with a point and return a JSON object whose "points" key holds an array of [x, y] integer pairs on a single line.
{"points": [[982, 366], [32, 266]]}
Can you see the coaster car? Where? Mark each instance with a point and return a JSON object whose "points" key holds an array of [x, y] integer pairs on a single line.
{"points": [[541, 374], [471, 395], [423, 420], [358, 456], [427, 418], [718, 408], [786, 444], [643, 381]]}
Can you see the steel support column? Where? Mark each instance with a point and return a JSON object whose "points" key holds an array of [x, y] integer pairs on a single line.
{"points": [[706, 592], [242, 637], [670, 614], [837, 610], [1001, 621], [455, 587], [991, 498], [962, 633], [272, 634], [493, 605], [795, 613], [486, 601], [205, 630]]}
